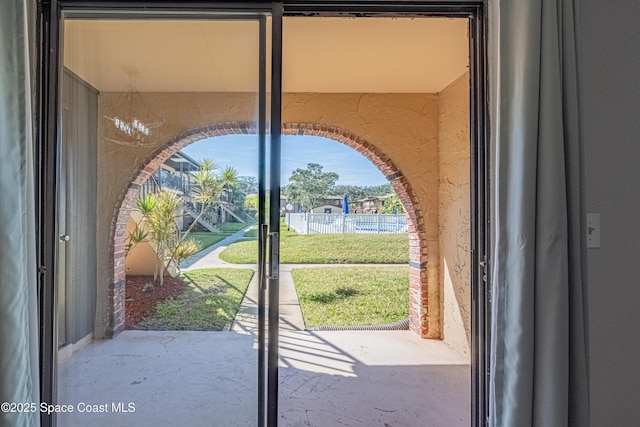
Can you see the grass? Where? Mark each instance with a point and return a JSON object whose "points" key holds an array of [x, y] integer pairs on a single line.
{"points": [[326, 249], [251, 233], [206, 239], [232, 227], [351, 296], [210, 302]]}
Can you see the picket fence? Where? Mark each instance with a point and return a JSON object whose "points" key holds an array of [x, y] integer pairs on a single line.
{"points": [[319, 223]]}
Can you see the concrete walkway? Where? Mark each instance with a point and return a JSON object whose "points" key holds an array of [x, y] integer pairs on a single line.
{"points": [[210, 257], [247, 318], [326, 379]]}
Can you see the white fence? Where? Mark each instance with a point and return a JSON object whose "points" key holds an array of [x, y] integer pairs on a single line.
{"points": [[317, 223]]}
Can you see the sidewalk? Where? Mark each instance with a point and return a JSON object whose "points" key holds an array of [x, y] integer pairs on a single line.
{"points": [[247, 317], [209, 257], [246, 320]]}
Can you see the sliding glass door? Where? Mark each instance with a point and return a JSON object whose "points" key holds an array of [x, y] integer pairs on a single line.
{"points": [[161, 203], [161, 125]]}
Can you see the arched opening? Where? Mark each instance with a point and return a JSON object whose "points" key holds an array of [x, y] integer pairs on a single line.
{"points": [[418, 286]]}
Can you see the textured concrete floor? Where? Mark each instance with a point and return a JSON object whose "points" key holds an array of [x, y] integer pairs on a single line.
{"points": [[326, 379], [173, 378], [371, 379]]}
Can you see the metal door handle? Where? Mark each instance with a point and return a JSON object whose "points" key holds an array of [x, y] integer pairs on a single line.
{"points": [[64, 237], [263, 267], [274, 254]]}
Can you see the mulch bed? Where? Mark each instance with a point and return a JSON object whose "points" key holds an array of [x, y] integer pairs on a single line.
{"points": [[139, 304]]}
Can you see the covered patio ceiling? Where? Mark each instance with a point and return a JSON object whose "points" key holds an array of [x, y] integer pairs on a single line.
{"points": [[326, 55]]}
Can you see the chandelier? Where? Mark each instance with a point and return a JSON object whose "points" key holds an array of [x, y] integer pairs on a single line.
{"points": [[131, 122]]}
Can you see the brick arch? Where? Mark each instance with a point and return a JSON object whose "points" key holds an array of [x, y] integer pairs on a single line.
{"points": [[418, 295]]}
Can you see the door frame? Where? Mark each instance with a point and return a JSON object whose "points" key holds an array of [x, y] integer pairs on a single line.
{"points": [[48, 153], [477, 13]]}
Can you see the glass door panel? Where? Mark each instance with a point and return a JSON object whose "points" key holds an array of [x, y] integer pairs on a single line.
{"points": [[379, 102], [275, 202], [149, 335]]}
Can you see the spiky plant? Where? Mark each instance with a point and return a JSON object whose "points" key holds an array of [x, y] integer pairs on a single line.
{"points": [[160, 212], [184, 251], [210, 182], [161, 222], [145, 204]]}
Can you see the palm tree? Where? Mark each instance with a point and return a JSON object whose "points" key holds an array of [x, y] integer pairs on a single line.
{"points": [[145, 204], [161, 222], [161, 210], [210, 183]]}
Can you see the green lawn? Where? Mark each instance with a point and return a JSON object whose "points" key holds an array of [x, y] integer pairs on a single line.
{"points": [[232, 227], [251, 233], [204, 239], [209, 303], [327, 249], [351, 296]]}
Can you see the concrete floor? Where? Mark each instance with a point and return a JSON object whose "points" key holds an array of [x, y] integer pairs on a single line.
{"points": [[177, 378], [326, 379]]}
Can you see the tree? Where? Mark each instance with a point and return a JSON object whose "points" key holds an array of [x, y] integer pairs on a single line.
{"points": [[251, 203], [244, 186], [160, 212], [161, 223], [391, 203], [357, 192], [310, 186]]}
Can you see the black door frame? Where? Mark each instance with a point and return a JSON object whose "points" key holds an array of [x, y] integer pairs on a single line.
{"points": [[476, 12], [48, 159]]}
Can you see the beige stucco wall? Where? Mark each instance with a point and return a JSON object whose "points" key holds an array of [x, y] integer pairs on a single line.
{"points": [[403, 126], [454, 214], [141, 259], [117, 163]]}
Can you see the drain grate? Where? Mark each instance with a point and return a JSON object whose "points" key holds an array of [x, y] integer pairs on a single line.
{"points": [[402, 325]]}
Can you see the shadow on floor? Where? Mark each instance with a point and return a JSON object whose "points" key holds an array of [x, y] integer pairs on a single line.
{"points": [[387, 378]]}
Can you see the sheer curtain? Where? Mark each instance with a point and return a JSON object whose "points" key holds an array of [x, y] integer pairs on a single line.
{"points": [[539, 374], [18, 294]]}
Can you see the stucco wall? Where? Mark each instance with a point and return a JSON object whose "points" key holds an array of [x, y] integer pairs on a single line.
{"points": [[454, 214], [117, 164], [403, 126], [141, 259]]}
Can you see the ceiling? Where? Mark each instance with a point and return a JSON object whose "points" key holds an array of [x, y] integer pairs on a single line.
{"points": [[334, 55]]}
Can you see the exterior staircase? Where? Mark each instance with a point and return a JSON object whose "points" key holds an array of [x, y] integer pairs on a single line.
{"points": [[227, 208], [206, 223]]}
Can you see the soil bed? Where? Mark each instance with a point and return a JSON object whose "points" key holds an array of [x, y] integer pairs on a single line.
{"points": [[140, 304]]}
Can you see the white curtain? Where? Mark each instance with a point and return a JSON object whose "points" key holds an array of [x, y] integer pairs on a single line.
{"points": [[539, 372], [18, 294]]}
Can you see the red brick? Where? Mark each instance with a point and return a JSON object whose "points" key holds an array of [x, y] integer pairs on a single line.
{"points": [[408, 198]]}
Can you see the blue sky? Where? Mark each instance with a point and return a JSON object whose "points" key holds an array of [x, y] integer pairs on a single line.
{"points": [[241, 152]]}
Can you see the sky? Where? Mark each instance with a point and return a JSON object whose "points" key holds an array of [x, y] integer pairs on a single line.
{"points": [[241, 153]]}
